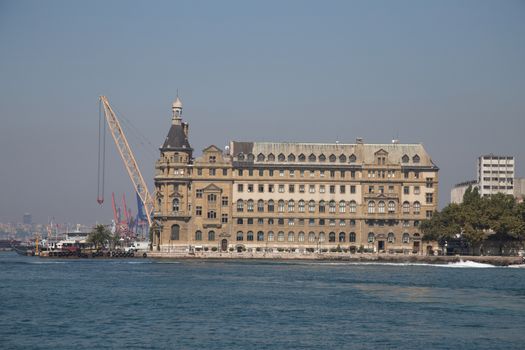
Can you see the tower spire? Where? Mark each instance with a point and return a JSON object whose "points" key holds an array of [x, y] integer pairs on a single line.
{"points": [[177, 111]]}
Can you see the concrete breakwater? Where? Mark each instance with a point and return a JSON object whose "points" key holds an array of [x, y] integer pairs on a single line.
{"points": [[378, 258]]}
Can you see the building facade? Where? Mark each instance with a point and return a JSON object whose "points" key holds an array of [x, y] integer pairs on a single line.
{"points": [[495, 174], [302, 197], [457, 193]]}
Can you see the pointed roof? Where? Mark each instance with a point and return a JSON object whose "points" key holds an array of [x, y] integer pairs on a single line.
{"points": [[176, 139], [177, 103]]}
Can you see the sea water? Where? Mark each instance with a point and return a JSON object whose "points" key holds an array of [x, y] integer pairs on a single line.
{"points": [[199, 304]]}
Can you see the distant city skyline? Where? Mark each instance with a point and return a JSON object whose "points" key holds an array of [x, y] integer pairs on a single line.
{"points": [[445, 73]]}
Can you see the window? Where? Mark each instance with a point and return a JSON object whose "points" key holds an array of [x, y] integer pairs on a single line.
{"points": [[212, 198], [270, 236], [250, 172], [291, 206], [300, 237], [406, 207], [321, 222], [370, 189], [342, 189], [405, 159], [331, 207], [224, 218], [371, 207], [352, 222], [249, 205], [332, 189], [322, 189], [352, 207], [332, 158], [311, 206], [321, 237], [239, 221], [249, 236], [271, 188], [406, 237], [352, 158], [260, 157], [281, 157], [381, 207], [302, 157], [271, 206], [239, 172], [198, 235], [352, 174], [429, 197], [212, 172], [199, 171], [270, 172], [429, 182], [311, 222], [251, 157], [175, 229], [176, 204], [260, 221], [291, 157], [281, 188], [291, 237], [311, 188], [390, 238], [332, 173], [322, 158], [198, 210], [212, 214], [391, 207], [281, 173], [301, 206], [250, 188], [240, 205], [198, 193], [406, 190], [417, 207], [224, 172], [280, 236], [342, 206], [371, 237], [260, 236], [311, 237], [260, 188], [429, 214], [342, 222], [415, 159], [211, 236], [271, 157], [291, 222], [322, 206], [352, 189], [312, 158], [240, 188], [351, 237], [331, 237], [301, 188], [240, 236], [260, 205], [280, 206], [342, 158], [342, 237], [416, 190], [291, 188]]}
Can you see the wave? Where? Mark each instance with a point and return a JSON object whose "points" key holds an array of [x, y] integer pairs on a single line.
{"points": [[459, 264], [468, 264]]}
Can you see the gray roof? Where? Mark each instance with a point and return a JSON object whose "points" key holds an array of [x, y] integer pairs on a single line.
{"points": [[176, 139]]}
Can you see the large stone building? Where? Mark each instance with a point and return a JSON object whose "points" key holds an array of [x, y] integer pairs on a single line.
{"points": [[304, 197]]}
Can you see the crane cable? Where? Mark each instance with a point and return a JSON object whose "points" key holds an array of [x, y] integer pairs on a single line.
{"points": [[101, 154]]}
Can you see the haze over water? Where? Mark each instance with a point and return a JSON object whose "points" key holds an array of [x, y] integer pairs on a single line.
{"points": [[140, 303]]}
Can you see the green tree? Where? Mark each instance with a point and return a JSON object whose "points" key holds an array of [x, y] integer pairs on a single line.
{"points": [[99, 236]]}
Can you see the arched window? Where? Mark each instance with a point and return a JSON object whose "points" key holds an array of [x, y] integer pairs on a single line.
{"points": [[280, 206], [240, 205], [175, 229], [416, 236], [417, 207], [391, 238], [342, 158], [240, 236], [322, 206], [249, 205], [291, 236], [332, 158], [281, 157], [352, 158], [321, 236], [300, 237], [301, 206], [406, 207], [371, 237], [371, 207], [406, 237], [331, 206], [250, 157], [302, 157], [312, 158], [212, 214], [415, 159], [331, 237], [291, 157], [322, 158], [260, 236], [260, 157], [249, 236], [270, 236], [342, 237], [271, 157], [280, 236], [351, 237], [198, 235], [240, 156], [260, 205], [311, 237], [211, 236], [311, 206], [405, 159], [291, 206], [381, 207], [176, 204], [342, 206], [271, 206], [353, 206], [391, 207]]}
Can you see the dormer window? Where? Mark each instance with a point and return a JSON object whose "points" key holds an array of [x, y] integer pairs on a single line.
{"points": [[342, 158], [291, 157], [240, 156], [332, 158], [271, 157], [415, 159], [322, 158], [352, 158], [260, 157], [405, 159], [251, 157], [281, 157], [302, 157], [312, 158]]}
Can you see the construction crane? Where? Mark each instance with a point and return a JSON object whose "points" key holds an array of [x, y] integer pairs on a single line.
{"points": [[127, 156]]}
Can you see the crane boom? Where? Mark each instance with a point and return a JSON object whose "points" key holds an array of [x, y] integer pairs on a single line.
{"points": [[129, 159]]}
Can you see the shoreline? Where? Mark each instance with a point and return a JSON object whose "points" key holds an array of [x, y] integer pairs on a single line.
{"points": [[382, 258]]}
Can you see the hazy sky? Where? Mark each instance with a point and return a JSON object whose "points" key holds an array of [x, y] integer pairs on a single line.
{"points": [[449, 74]]}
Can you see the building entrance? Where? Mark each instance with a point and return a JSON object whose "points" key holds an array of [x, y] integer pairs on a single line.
{"points": [[380, 245], [224, 245]]}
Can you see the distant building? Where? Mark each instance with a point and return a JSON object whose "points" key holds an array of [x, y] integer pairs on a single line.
{"points": [[519, 188], [495, 174], [27, 219], [274, 196], [457, 193]]}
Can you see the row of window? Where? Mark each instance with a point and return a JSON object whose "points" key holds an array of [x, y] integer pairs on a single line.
{"points": [[320, 222], [313, 158], [292, 172], [301, 206], [321, 237], [250, 188]]}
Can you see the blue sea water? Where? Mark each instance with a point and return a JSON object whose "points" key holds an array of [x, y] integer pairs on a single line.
{"points": [[163, 304]]}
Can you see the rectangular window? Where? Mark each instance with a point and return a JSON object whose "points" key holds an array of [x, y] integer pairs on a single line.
{"points": [[311, 222], [198, 193], [312, 173], [291, 188], [352, 174], [430, 182], [301, 173], [352, 222], [301, 188], [301, 222], [198, 210], [250, 188], [321, 173], [390, 189], [260, 221], [270, 172], [332, 173], [322, 189], [429, 198], [405, 174], [250, 172], [311, 188], [370, 189], [342, 174], [332, 222], [332, 189], [261, 172], [406, 190], [240, 188], [250, 221], [224, 201], [416, 174], [271, 188], [321, 222], [212, 172], [352, 189], [239, 172], [342, 223], [199, 171], [239, 221], [281, 173], [292, 173], [224, 218], [280, 221], [416, 190], [260, 188], [429, 214], [224, 172], [342, 189], [281, 188], [381, 189], [291, 222]]}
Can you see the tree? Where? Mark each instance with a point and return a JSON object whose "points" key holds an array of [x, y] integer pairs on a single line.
{"points": [[99, 236]]}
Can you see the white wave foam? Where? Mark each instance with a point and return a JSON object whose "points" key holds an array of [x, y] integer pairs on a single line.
{"points": [[468, 264]]}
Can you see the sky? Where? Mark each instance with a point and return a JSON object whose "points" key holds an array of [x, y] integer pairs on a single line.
{"points": [[448, 74]]}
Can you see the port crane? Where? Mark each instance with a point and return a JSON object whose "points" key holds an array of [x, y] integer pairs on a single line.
{"points": [[127, 156]]}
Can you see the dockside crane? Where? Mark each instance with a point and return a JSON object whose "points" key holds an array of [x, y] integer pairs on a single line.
{"points": [[127, 156]]}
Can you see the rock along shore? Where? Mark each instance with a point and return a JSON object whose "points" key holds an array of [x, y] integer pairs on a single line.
{"points": [[389, 258]]}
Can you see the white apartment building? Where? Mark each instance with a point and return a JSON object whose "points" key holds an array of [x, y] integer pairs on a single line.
{"points": [[495, 174]]}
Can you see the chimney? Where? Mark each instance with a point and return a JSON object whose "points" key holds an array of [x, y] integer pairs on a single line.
{"points": [[185, 128]]}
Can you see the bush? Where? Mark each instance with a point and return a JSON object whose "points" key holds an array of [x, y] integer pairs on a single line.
{"points": [[361, 249], [280, 250], [213, 249], [258, 249], [231, 249], [324, 250], [206, 249], [333, 250]]}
